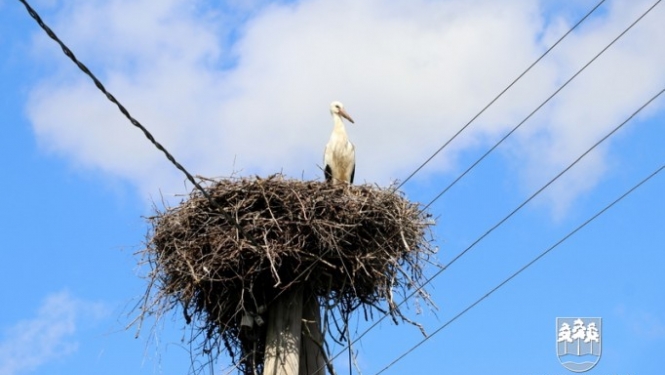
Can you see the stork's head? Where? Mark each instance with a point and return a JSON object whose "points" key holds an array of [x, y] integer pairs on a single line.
{"points": [[337, 108]]}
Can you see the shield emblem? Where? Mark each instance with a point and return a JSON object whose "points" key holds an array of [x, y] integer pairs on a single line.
{"points": [[578, 342]]}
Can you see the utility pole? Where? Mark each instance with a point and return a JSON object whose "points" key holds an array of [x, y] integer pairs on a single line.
{"points": [[294, 342], [283, 336]]}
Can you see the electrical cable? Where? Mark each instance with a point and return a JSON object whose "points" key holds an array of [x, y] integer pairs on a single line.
{"points": [[537, 192]]}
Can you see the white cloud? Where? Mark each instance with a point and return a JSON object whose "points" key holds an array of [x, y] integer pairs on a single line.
{"points": [[224, 91], [603, 96], [643, 323], [48, 336]]}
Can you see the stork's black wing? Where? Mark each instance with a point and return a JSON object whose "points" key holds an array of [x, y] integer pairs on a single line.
{"points": [[353, 173], [327, 173]]}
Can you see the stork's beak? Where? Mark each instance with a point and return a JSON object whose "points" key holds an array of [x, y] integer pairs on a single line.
{"points": [[343, 113]]}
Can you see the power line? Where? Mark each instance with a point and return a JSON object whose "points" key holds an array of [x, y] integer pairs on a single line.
{"points": [[457, 257], [134, 122], [523, 268], [540, 106], [500, 94], [500, 222]]}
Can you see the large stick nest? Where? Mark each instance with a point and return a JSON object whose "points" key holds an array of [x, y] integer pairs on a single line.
{"points": [[351, 246]]}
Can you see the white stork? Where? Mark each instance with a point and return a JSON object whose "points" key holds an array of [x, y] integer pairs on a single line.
{"points": [[339, 158]]}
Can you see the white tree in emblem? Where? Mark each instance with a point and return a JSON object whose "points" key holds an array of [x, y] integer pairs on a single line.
{"points": [[592, 335], [564, 335], [579, 332]]}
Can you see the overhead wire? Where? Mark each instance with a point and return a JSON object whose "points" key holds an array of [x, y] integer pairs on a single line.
{"points": [[540, 106], [135, 122], [458, 256], [500, 94], [523, 268]]}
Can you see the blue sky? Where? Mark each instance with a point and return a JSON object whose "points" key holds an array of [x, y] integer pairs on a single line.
{"points": [[244, 88]]}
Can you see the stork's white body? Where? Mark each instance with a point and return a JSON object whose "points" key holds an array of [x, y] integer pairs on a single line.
{"points": [[339, 157]]}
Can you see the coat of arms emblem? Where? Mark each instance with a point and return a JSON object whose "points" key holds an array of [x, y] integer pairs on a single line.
{"points": [[578, 342]]}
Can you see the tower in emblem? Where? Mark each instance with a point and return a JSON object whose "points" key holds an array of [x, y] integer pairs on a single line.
{"points": [[578, 342]]}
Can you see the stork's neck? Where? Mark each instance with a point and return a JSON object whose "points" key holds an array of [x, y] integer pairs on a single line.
{"points": [[339, 127]]}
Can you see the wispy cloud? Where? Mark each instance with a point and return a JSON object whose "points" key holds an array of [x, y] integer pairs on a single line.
{"points": [[249, 88], [48, 336], [645, 324]]}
